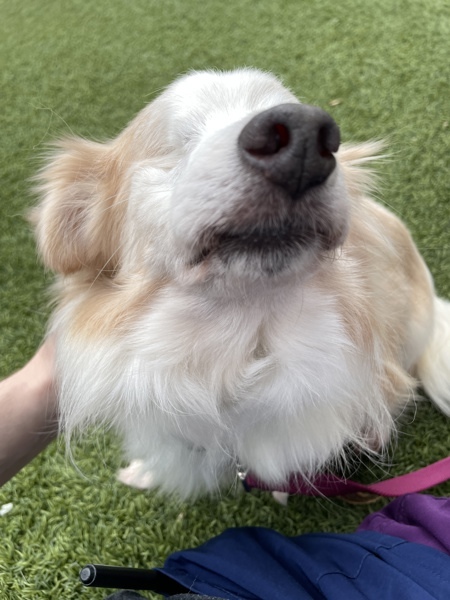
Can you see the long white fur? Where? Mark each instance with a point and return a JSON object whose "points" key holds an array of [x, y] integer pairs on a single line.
{"points": [[223, 365]]}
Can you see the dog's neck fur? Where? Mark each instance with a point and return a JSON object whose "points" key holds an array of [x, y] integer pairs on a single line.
{"points": [[213, 380]]}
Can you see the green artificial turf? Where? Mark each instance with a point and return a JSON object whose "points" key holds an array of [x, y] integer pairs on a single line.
{"points": [[380, 68]]}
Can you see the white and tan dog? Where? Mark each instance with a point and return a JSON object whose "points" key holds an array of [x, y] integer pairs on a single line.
{"points": [[228, 293]]}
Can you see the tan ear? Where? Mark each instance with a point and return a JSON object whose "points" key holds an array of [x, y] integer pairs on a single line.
{"points": [[79, 217]]}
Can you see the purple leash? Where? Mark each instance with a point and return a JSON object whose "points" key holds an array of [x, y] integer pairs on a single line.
{"points": [[331, 485]]}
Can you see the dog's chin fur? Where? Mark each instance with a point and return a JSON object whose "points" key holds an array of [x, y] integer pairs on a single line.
{"points": [[213, 322]]}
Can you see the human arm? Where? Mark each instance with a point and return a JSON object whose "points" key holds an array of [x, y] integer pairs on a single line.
{"points": [[28, 412]]}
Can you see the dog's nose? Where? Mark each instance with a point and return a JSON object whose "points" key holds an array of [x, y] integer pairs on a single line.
{"points": [[292, 145]]}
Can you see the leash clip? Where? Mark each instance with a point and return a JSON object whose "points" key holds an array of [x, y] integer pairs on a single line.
{"points": [[242, 473]]}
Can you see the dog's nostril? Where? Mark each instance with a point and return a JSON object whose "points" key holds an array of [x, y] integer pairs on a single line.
{"points": [[275, 138], [282, 136], [328, 141]]}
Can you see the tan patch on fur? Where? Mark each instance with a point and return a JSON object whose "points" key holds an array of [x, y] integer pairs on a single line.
{"points": [[392, 294], [107, 306], [386, 296], [78, 222], [84, 189]]}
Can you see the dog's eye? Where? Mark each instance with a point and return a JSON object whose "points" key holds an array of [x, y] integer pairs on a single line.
{"points": [[190, 138], [191, 128]]}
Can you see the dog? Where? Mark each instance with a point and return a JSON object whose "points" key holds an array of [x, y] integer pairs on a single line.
{"points": [[228, 294]]}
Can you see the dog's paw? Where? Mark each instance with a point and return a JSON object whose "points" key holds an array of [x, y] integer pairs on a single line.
{"points": [[281, 497], [136, 476]]}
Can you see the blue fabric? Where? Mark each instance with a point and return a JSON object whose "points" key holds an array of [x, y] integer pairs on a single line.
{"points": [[254, 563]]}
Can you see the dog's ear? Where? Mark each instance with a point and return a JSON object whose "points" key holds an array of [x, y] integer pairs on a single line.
{"points": [[78, 220]]}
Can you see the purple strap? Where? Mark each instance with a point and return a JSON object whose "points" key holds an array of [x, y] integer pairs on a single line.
{"points": [[330, 485]]}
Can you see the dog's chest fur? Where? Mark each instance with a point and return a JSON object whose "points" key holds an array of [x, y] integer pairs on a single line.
{"points": [[221, 379]]}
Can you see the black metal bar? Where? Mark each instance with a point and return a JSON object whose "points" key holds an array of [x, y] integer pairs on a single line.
{"points": [[130, 579]]}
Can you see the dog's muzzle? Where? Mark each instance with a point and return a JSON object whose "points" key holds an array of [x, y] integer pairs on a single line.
{"points": [[292, 145]]}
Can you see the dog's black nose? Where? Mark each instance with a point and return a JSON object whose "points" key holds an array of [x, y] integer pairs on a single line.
{"points": [[292, 145]]}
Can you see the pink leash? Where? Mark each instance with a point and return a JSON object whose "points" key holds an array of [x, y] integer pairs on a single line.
{"points": [[330, 485]]}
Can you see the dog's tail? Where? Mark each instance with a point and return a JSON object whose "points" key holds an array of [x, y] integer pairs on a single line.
{"points": [[434, 365]]}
